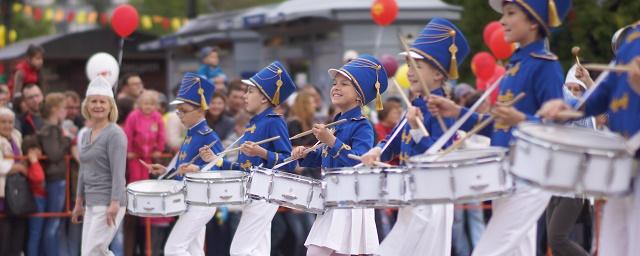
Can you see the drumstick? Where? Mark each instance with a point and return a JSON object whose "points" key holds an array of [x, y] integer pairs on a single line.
{"points": [[575, 51], [192, 160], [291, 158], [302, 134], [569, 114], [477, 128], [449, 134], [406, 101], [425, 88], [378, 163], [257, 143], [603, 67], [218, 156]]}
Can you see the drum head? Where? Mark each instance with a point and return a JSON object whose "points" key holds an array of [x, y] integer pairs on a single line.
{"points": [[216, 175], [156, 186], [462, 155], [573, 136]]}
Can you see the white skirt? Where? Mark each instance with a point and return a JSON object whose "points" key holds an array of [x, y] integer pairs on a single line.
{"points": [[420, 230], [347, 231]]}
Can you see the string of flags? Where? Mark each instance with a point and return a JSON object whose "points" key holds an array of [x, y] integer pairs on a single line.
{"points": [[60, 15]]}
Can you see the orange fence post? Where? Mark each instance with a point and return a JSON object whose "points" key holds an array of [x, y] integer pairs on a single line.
{"points": [[147, 224]]}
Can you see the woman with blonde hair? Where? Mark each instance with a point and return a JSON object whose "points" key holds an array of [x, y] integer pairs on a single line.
{"points": [[301, 118], [101, 185]]}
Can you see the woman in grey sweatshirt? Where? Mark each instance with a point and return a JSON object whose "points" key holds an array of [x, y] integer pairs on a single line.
{"points": [[101, 184]]}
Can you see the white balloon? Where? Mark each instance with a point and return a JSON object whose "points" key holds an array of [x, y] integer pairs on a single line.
{"points": [[105, 65]]}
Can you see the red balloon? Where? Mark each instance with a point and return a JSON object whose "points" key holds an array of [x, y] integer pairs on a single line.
{"points": [[489, 29], [483, 65], [390, 64], [384, 12], [499, 47], [124, 20]]}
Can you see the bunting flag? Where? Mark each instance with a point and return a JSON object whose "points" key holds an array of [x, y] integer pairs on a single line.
{"points": [[59, 15]]}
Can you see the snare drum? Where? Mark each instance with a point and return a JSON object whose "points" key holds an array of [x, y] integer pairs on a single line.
{"points": [[574, 160], [155, 198], [458, 177], [215, 188], [286, 189], [365, 187]]}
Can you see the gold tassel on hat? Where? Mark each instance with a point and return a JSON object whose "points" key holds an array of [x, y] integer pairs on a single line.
{"points": [[276, 95], [203, 101], [453, 49], [554, 20], [379, 105]]}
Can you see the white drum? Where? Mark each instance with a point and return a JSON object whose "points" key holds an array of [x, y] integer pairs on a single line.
{"points": [[286, 189], [156, 198], [458, 177], [574, 160], [365, 187], [216, 188]]}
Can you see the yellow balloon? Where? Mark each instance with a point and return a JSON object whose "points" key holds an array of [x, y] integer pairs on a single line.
{"points": [[402, 76], [13, 35]]}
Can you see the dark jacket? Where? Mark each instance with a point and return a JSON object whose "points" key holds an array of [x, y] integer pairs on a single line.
{"points": [[55, 146]]}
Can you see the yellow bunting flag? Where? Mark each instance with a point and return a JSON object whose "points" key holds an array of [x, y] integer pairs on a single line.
{"points": [[13, 35], [175, 23], [81, 17], [146, 22], [48, 14], [17, 7]]}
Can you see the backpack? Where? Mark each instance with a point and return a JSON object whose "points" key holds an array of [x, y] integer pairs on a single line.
{"points": [[18, 196]]}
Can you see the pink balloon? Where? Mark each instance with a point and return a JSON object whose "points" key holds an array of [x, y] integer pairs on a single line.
{"points": [[390, 64], [124, 20]]}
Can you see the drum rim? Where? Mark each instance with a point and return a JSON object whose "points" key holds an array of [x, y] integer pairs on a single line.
{"points": [[498, 155], [287, 175], [363, 170], [618, 153], [163, 193], [242, 176], [518, 133]]}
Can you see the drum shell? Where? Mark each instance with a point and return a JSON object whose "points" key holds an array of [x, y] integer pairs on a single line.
{"points": [[227, 189], [155, 204], [570, 169], [365, 187], [462, 180], [286, 189]]}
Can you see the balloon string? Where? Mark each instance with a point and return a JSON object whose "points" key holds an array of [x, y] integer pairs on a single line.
{"points": [[115, 87]]}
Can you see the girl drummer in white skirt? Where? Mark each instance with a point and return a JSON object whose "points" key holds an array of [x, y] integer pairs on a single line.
{"points": [[346, 231], [423, 229]]}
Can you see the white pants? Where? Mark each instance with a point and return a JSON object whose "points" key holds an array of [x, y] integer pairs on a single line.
{"points": [[253, 236], [513, 224], [420, 230], [187, 236], [620, 231], [96, 234]]}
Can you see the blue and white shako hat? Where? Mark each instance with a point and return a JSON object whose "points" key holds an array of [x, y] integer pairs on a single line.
{"points": [[274, 82], [368, 76], [441, 44], [548, 13], [195, 90]]}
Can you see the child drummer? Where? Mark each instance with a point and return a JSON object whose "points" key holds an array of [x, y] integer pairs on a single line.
{"points": [[534, 70], [187, 236], [425, 229], [619, 96], [268, 88], [346, 231]]}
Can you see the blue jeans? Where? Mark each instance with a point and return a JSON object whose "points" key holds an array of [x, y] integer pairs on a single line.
{"points": [[35, 228], [117, 245], [55, 203], [468, 225]]}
